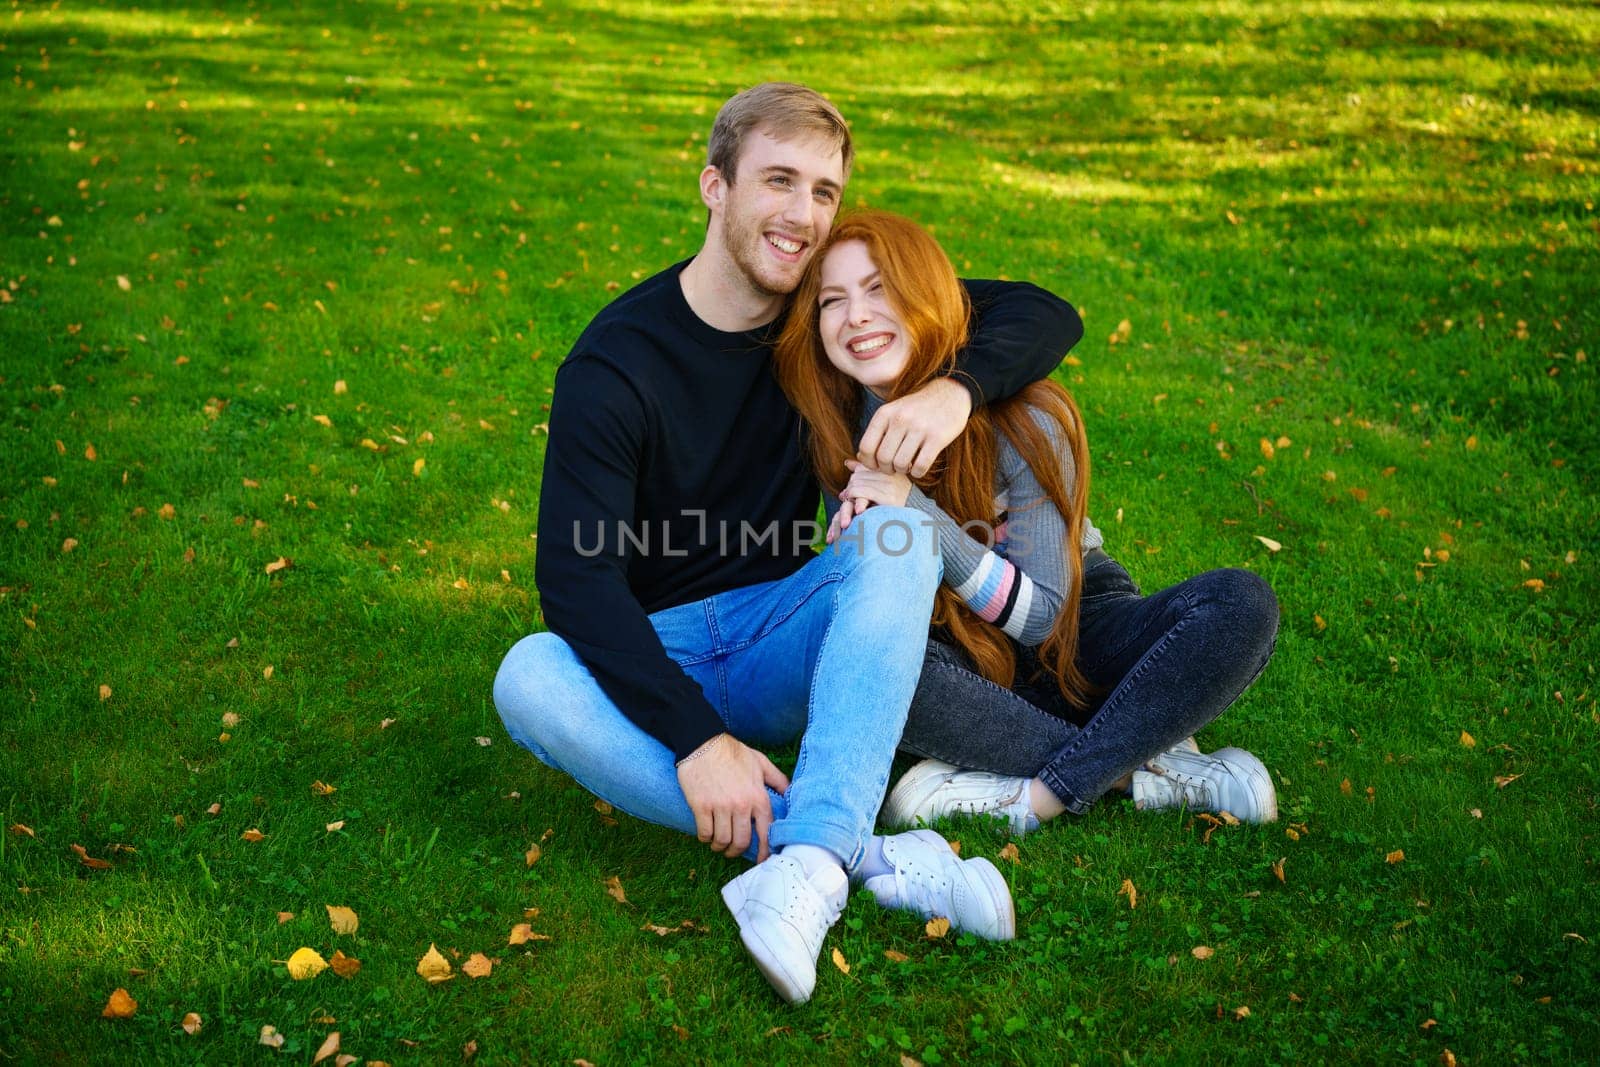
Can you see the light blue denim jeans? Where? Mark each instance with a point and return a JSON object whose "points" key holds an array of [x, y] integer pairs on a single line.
{"points": [[829, 655]]}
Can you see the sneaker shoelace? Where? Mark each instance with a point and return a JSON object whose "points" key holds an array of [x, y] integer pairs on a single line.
{"points": [[1195, 789], [922, 888]]}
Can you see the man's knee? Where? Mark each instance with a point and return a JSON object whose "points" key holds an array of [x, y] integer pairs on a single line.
{"points": [[533, 690], [902, 540]]}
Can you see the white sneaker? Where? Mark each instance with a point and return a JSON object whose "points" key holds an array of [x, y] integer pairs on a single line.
{"points": [[1229, 779], [783, 917], [932, 790], [933, 881]]}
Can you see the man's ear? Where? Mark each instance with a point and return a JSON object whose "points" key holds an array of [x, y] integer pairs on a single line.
{"points": [[712, 188]]}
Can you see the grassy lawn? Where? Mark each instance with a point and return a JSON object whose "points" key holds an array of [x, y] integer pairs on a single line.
{"points": [[289, 283]]}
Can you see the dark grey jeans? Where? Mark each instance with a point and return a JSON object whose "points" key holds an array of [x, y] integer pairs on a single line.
{"points": [[1165, 665]]}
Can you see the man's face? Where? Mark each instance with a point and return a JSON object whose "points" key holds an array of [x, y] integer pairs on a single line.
{"points": [[779, 208]]}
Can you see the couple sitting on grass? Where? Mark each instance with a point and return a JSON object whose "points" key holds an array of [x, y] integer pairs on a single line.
{"points": [[692, 624]]}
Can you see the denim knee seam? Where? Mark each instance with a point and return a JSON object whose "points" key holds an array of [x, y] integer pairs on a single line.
{"points": [[847, 844], [1050, 775], [918, 748]]}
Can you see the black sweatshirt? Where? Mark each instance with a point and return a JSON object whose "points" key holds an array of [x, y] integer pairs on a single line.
{"points": [[675, 471]]}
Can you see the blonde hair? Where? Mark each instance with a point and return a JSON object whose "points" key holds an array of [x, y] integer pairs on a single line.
{"points": [[934, 310], [782, 110]]}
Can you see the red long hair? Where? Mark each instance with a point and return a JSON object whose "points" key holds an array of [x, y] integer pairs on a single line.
{"points": [[934, 312]]}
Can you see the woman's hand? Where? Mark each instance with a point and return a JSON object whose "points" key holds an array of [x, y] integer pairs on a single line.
{"points": [[865, 488]]}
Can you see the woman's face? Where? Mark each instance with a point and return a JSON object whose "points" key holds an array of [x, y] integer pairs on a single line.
{"points": [[860, 331]]}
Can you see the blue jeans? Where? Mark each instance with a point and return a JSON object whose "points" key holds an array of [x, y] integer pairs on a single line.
{"points": [[1165, 665], [829, 655]]}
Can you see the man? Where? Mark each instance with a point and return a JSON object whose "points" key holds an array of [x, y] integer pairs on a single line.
{"points": [[690, 621]]}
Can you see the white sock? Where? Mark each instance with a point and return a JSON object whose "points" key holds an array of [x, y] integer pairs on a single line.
{"points": [[872, 862], [812, 857]]}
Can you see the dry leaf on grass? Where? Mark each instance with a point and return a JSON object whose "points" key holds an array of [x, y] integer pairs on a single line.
{"points": [[281, 563], [1467, 740], [330, 1046], [89, 861], [1272, 546], [478, 965], [20, 830], [323, 789], [252, 834], [342, 919], [1128, 890], [284, 916], [119, 1005], [936, 927], [1010, 852], [614, 889], [533, 854], [896, 956], [305, 963], [191, 1024], [839, 961], [1277, 867], [1202, 952], [344, 966], [522, 933], [434, 967], [270, 1037], [1242, 1012], [336, 825], [1397, 856]]}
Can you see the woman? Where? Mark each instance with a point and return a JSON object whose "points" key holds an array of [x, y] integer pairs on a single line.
{"points": [[1051, 680]]}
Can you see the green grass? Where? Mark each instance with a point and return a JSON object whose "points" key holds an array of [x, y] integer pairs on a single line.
{"points": [[1369, 228]]}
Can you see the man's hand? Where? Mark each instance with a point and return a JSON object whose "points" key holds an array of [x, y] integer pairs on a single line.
{"points": [[725, 783], [865, 488], [907, 435]]}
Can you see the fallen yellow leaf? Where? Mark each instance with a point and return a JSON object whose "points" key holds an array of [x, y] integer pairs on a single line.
{"points": [[344, 966], [1242, 1012], [1397, 856], [936, 927], [305, 963], [270, 1037], [284, 916], [337, 824], [330, 1045], [120, 1005], [252, 834], [105, 692], [434, 967], [522, 933], [21, 831], [839, 960], [279, 564], [897, 957], [533, 854], [343, 920], [477, 966], [1277, 867], [1010, 852], [1272, 546], [1202, 952], [1127, 890], [416, 468], [322, 789], [614, 889], [191, 1024], [340, 388], [1467, 740]]}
